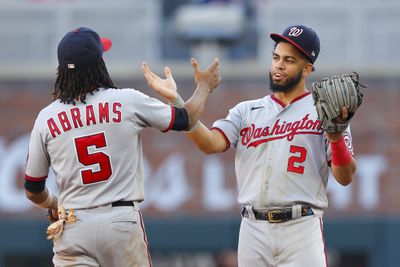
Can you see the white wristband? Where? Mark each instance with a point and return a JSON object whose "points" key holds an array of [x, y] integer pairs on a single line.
{"points": [[48, 202], [179, 103]]}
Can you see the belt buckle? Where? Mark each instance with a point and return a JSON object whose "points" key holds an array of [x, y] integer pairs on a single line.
{"points": [[270, 215]]}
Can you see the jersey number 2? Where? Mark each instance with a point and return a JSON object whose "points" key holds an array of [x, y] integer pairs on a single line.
{"points": [[295, 160], [101, 159]]}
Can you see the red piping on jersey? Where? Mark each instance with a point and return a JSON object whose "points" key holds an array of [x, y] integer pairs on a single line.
{"points": [[35, 179], [277, 100], [228, 144], [300, 97], [172, 120], [145, 238], [323, 240]]}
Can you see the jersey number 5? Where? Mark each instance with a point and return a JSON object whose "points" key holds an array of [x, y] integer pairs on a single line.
{"points": [[294, 162], [101, 159]]}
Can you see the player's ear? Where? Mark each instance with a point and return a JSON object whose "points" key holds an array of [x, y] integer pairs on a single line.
{"points": [[308, 68]]}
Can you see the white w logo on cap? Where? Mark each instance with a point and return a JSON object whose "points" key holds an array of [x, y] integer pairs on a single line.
{"points": [[295, 31]]}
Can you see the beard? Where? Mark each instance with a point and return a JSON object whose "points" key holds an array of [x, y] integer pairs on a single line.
{"points": [[291, 82]]}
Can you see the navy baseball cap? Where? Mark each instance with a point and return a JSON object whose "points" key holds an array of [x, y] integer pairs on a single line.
{"points": [[303, 38], [80, 48]]}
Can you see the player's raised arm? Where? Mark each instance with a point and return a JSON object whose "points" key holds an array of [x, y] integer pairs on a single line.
{"points": [[164, 87], [208, 141], [343, 164], [206, 81]]}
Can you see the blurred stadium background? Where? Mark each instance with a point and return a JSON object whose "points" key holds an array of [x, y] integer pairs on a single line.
{"points": [[191, 214]]}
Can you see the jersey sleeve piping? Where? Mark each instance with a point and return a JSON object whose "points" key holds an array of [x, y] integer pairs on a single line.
{"points": [[172, 120], [228, 143], [35, 179], [297, 98]]}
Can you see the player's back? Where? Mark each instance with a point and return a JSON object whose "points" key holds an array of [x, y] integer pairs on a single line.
{"points": [[95, 148]]}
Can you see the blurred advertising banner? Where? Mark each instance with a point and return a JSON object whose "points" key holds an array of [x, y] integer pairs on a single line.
{"points": [[181, 181]]}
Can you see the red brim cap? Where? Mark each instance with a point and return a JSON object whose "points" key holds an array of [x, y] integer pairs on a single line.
{"points": [[277, 37], [106, 43]]}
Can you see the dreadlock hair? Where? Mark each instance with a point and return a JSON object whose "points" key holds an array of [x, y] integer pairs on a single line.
{"points": [[73, 85]]}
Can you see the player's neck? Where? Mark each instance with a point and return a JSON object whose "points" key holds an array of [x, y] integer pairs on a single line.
{"points": [[287, 97]]}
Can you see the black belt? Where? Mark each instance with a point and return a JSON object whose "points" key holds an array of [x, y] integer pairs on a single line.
{"points": [[278, 215], [122, 203]]}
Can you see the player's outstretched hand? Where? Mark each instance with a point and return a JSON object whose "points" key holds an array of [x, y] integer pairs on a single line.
{"points": [[164, 87], [209, 78]]}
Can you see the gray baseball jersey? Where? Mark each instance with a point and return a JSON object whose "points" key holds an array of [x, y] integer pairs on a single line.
{"points": [[95, 149], [281, 152]]}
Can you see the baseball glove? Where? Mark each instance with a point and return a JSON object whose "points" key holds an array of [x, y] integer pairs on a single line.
{"points": [[331, 95], [55, 229], [51, 217]]}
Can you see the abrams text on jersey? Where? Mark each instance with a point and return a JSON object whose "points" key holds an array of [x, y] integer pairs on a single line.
{"points": [[91, 116]]}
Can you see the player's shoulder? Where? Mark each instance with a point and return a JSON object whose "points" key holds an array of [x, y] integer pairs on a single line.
{"points": [[307, 97], [125, 95], [47, 112], [49, 109], [250, 104], [304, 101], [118, 92]]}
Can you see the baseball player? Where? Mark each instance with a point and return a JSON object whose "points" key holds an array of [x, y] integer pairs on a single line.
{"points": [[282, 159], [90, 137]]}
